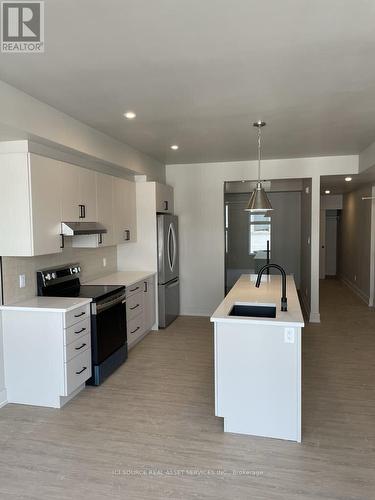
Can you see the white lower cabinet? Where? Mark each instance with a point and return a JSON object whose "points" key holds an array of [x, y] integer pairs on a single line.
{"points": [[47, 355], [140, 309], [149, 302]]}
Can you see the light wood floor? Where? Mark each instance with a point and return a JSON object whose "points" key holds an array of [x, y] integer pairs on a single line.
{"points": [[155, 418]]}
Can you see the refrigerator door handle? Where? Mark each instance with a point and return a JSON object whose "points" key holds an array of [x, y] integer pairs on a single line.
{"points": [[173, 284], [170, 262], [173, 233]]}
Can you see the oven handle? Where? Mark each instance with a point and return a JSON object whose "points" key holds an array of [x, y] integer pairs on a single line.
{"points": [[101, 308]]}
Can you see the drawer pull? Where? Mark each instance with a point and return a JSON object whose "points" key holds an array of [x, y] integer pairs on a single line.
{"points": [[135, 330], [134, 289], [79, 315], [81, 371], [134, 307], [80, 331], [78, 348]]}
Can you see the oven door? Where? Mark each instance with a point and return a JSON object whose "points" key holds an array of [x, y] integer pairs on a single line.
{"points": [[108, 329]]}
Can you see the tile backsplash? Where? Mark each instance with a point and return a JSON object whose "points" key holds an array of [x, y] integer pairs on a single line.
{"points": [[90, 259]]}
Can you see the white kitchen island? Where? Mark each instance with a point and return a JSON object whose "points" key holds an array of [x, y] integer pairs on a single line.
{"points": [[258, 360]]}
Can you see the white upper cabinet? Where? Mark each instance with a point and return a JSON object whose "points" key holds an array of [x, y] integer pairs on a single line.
{"points": [[87, 187], [38, 193], [78, 193], [164, 198], [125, 211], [70, 193], [45, 205], [29, 205], [104, 204]]}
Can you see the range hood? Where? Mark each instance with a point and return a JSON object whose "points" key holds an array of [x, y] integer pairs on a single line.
{"points": [[78, 228]]}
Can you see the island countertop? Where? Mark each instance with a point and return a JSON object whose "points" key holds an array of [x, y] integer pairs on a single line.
{"points": [[269, 293]]}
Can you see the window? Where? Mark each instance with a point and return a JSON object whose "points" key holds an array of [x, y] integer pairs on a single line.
{"points": [[259, 232]]}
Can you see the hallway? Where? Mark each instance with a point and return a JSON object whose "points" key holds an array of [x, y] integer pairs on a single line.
{"points": [[150, 432]]}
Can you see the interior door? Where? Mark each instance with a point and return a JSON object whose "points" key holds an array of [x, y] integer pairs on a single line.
{"points": [[331, 244], [322, 248]]}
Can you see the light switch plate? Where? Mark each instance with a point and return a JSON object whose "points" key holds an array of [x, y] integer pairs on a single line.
{"points": [[289, 335]]}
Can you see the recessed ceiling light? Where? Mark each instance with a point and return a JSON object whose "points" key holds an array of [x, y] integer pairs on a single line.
{"points": [[174, 147], [348, 179], [327, 191], [130, 115]]}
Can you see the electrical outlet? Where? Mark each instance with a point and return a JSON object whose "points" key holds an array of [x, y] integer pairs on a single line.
{"points": [[289, 335], [22, 280], [104, 262]]}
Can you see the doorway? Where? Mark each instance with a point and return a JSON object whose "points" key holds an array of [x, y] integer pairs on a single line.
{"points": [[247, 235]]}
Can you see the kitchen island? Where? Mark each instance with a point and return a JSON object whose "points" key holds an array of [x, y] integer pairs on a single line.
{"points": [[257, 350]]}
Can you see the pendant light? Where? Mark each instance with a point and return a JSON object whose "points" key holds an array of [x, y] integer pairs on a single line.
{"points": [[259, 201]]}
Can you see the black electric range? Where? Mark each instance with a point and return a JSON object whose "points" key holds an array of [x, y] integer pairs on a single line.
{"points": [[108, 316]]}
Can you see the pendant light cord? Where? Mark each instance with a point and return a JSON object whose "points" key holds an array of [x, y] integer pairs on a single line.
{"points": [[259, 151]]}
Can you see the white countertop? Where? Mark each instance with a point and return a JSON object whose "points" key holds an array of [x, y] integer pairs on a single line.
{"points": [[269, 292], [126, 278], [53, 304]]}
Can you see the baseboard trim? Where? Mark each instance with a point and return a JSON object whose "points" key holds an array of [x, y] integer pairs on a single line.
{"points": [[355, 289], [3, 398], [314, 317]]}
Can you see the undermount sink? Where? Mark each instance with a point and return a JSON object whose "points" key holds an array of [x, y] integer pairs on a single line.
{"points": [[253, 311]]}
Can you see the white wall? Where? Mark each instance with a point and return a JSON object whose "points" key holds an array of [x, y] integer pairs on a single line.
{"points": [[354, 242], [199, 203], [27, 117], [305, 286], [3, 395]]}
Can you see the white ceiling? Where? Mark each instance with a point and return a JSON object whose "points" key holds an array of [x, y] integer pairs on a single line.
{"points": [[198, 72], [337, 184]]}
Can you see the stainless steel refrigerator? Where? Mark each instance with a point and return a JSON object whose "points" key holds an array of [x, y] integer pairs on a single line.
{"points": [[168, 280]]}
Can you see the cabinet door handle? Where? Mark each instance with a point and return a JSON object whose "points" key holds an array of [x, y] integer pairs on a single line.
{"points": [[127, 234], [80, 331], [62, 245], [81, 371], [84, 211], [166, 205], [138, 327], [134, 289], [100, 238], [80, 211], [134, 307], [79, 315], [80, 347], [146, 287]]}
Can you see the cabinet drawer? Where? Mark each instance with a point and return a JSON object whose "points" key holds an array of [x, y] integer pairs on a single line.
{"points": [[134, 306], [135, 328], [77, 371], [73, 317], [136, 288], [77, 331], [77, 347]]}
